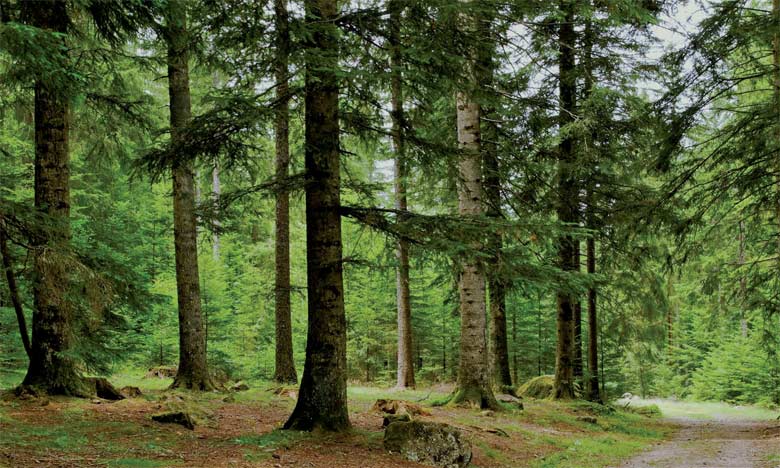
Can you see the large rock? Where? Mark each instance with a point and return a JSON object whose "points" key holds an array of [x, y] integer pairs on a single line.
{"points": [[175, 417], [539, 387], [430, 443]]}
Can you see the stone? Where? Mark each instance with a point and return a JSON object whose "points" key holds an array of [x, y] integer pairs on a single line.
{"points": [[175, 417], [162, 372], [391, 418], [487, 414], [430, 443], [507, 398], [399, 406]]}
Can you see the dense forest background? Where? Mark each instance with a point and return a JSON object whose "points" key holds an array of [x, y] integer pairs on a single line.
{"points": [[673, 161]]}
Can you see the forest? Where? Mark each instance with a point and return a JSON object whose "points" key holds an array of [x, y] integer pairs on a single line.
{"points": [[389, 233]]}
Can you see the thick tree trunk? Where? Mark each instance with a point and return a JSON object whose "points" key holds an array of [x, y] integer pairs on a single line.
{"points": [[284, 370], [13, 290], [51, 369], [567, 203], [405, 375], [473, 380], [193, 369], [322, 401]]}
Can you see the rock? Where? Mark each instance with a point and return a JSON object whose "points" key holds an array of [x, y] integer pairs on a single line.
{"points": [[104, 389], [538, 387], [175, 417], [391, 418], [588, 419], [429, 443], [487, 414], [507, 398], [229, 399], [131, 392], [399, 406], [239, 387], [97, 401], [627, 396], [161, 372]]}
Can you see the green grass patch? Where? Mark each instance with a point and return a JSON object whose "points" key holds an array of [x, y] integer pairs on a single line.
{"points": [[272, 440], [701, 410]]}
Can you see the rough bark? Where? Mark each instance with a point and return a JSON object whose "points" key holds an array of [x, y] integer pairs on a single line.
{"points": [[322, 400], [567, 199], [405, 374], [51, 370], [592, 387], [193, 369], [473, 386], [284, 370], [13, 290]]}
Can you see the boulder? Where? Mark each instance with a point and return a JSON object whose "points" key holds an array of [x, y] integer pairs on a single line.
{"points": [[391, 418], [131, 392], [398, 407], [175, 417], [538, 387], [510, 400], [428, 443]]}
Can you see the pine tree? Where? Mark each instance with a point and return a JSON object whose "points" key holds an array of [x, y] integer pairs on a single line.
{"points": [[192, 372], [322, 401]]}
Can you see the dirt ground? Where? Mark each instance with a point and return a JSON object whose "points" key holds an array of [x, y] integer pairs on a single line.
{"points": [[723, 443]]}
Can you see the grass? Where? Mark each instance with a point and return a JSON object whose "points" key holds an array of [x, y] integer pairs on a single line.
{"points": [[703, 410], [545, 434]]}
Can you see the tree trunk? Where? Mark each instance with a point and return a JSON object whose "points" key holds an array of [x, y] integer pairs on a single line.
{"points": [[743, 326], [216, 191], [322, 401], [51, 369], [405, 376], [567, 203], [592, 387], [577, 317], [13, 290], [193, 369], [474, 386], [284, 371]]}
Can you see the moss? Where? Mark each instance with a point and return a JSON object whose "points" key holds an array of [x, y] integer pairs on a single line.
{"points": [[539, 387]]}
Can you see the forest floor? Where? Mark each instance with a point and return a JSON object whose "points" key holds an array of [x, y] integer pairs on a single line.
{"points": [[242, 430], [713, 435]]}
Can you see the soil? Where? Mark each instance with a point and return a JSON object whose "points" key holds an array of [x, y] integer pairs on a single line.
{"points": [[724, 443]]}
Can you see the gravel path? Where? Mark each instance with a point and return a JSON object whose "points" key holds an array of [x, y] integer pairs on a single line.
{"points": [[716, 443]]}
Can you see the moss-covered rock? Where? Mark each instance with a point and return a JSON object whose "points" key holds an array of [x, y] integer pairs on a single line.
{"points": [[538, 387], [429, 443]]}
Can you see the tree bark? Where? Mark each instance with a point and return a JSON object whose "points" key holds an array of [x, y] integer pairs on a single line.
{"points": [[405, 374], [284, 371], [216, 191], [51, 369], [322, 400], [567, 203], [193, 369], [592, 387], [13, 290], [473, 386]]}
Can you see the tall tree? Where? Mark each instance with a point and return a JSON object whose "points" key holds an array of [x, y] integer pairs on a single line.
{"points": [[497, 284], [473, 387], [51, 369], [193, 371], [567, 198], [284, 370], [405, 375], [322, 400]]}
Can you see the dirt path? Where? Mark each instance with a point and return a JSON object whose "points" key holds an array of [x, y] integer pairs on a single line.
{"points": [[715, 443]]}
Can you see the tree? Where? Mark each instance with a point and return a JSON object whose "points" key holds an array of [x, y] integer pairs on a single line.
{"points": [[567, 199], [51, 369], [405, 374], [473, 380], [322, 400], [285, 365], [192, 372], [13, 289]]}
